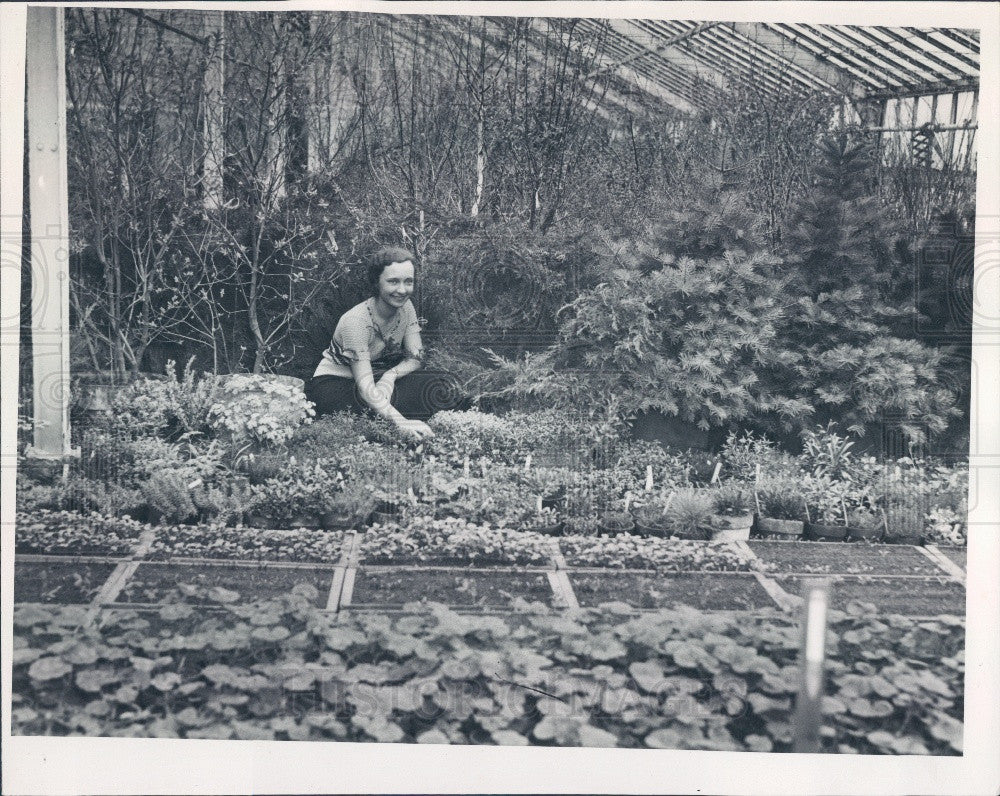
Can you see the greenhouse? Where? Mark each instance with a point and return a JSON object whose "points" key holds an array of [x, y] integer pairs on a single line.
{"points": [[562, 362]]}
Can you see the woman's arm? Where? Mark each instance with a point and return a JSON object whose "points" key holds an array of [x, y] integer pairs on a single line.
{"points": [[377, 396], [414, 348]]}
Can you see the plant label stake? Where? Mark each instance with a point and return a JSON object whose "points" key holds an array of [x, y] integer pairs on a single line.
{"points": [[465, 467], [715, 472], [808, 705], [628, 500], [538, 504], [527, 462], [649, 478], [411, 496], [666, 505]]}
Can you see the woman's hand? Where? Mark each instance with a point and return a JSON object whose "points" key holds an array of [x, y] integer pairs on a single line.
{"points": [[417, 429]]}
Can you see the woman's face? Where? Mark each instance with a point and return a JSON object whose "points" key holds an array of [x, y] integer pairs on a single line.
{"points": [[395, 285]]}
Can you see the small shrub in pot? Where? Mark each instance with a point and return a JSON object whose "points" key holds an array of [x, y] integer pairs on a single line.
{"points": [[690, 514], [731, 515], [347, 508], [864, 523], [615, 522], [825, 498], [782, 508], [651, 518], [905, 522]]}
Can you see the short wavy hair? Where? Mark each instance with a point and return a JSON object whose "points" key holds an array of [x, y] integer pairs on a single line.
{"points": [[382, 259]]}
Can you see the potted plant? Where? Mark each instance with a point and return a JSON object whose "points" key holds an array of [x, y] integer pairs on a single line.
{"points": [[549, 483], [388, 507], [864, 523], [544, 521], [651, 518], [346, 509], [612, 523], [904, 523], [690, 514], [731, 516], [826, 517], [781, 508]]}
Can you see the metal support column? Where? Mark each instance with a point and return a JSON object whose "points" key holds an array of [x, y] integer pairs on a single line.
{"points": [[49, 203]]}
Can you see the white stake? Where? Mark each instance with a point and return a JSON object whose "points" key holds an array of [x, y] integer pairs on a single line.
{"points": [[628, 500], [715, 473], [465, 467], [649, 478], [538, 504], [527, 462]]}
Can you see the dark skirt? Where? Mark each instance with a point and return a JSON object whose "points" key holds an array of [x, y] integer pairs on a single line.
{"points": [[416, 396]]}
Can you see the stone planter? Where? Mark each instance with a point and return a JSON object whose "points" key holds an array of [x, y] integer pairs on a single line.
{"points": [[731, 528], [335, 521], [768, 526], [547, 530], [871, 533], [820, 532]]}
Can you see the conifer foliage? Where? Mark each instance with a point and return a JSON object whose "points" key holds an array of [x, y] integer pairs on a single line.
{"points": [[845, 309], [696, 318]]}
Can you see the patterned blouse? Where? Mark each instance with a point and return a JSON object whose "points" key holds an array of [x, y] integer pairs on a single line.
{"points": [[360, 335]]}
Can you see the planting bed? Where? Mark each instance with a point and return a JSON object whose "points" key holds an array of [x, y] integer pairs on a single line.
{"points": [[724, 592], [67, 533], [499, 588], [154, 583], [911, 596], [632, 552], [182, 541], [843, 557], [59, 581]]}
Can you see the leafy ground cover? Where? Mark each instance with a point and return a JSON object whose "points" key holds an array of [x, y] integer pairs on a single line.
{"points": [[206, 583], [636, 552], [71, 533], [732, 592], [453, 540], [912, 596], [214, 541], [500, 588], [846, 558], [59, 581], [682, 679]]}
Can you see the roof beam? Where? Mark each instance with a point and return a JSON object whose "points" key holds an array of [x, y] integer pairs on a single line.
{"points": [[786, 48]]}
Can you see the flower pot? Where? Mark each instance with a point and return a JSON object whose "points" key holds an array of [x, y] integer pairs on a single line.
{"points": [[554, 502], [547, 530], [728, 522], [731, 527], [336, 521], [384, 517], [642, 529], [820, 532], [870, 533], [699, 535], [771, 527], [612, 526]]}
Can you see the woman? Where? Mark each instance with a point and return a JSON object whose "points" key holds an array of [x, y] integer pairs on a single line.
{"points": [[375, 349]]}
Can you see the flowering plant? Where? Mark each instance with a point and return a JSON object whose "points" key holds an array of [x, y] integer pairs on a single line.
{"points": [[254, 408]]}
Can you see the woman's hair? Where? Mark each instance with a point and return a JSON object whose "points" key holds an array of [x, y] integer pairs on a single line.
{"points": [[382, 259]]}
